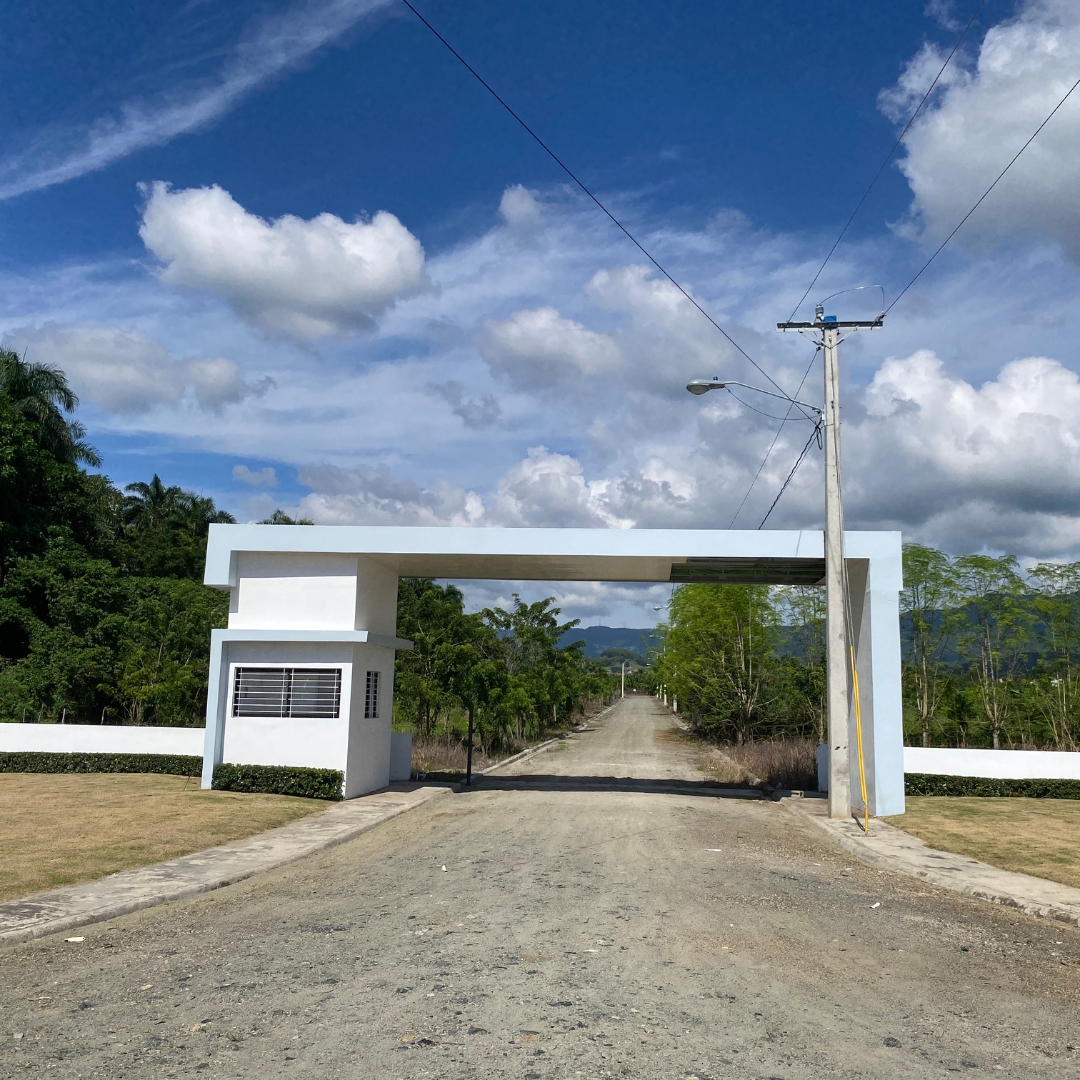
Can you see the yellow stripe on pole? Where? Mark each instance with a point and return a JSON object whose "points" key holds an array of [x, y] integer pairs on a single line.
{"points": [[858, 741]]}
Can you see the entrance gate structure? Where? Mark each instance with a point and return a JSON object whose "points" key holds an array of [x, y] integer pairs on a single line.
{"points": [[304, 673]]}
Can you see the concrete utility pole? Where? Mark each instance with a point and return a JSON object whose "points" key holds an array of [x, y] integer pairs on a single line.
{"points": [[623, 694], [836, 643]]}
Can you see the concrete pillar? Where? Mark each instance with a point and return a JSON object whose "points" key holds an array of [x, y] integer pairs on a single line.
{"points": [[875, 612]]}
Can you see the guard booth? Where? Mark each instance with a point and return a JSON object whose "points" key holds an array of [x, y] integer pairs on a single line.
{"points": [[304, 673]]}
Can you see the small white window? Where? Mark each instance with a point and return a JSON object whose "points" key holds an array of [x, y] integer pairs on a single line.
{"points": [[371, 696], [287, 692]]}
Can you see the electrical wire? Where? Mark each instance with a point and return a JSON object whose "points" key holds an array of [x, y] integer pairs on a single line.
{"points": [[772, 446], [798, 461], [960, 224], [611, 217], [888, 158], [747, 405]]}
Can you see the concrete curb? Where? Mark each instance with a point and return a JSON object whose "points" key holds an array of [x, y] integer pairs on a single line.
{"points": [[131, 890], [893, 849]]}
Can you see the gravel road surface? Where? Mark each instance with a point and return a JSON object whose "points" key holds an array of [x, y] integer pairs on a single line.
{"points": [[541, 929]]}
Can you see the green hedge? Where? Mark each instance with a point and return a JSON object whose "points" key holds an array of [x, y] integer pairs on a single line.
{"points": [[280, 780], [987, 787], [36, 761]]}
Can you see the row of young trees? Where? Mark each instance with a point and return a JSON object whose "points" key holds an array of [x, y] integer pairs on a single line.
{"points": [[104, 617], [990, 654], [504, 670]]}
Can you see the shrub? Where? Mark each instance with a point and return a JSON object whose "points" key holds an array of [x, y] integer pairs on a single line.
{"points": [[280, 780], [37, 761], [988, 787]]}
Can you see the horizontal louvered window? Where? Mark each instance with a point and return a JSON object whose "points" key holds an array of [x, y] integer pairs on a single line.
{"points": [[287, 692]]}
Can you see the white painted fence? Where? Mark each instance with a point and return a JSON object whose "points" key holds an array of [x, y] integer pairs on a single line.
{"points": [[100, 739], [994, 764]]}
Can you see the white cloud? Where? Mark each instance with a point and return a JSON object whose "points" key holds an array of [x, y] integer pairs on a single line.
{"points": [[266, 477], [123, 371], [270, 47], [984, 115], [540, 348], [519, 207], [997, 464], [366, 496], [306, 278]]}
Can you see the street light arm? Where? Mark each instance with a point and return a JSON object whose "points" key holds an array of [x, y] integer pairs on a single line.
{"points": [[703, 386]]}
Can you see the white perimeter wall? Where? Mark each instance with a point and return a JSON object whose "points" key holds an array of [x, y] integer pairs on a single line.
{"points": [[994, 764], [100, 739]]}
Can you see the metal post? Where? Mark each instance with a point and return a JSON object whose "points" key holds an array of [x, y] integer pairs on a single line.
{"points": [[468, 762], [836, 658]]}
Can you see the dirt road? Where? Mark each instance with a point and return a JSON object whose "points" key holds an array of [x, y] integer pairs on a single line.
{"points": [[557, 931]]}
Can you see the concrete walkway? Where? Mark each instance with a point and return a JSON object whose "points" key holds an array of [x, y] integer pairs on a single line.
{"points": [[893, 849], [130, 890]]}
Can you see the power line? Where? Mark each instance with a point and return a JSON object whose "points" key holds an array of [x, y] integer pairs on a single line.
{"points": [[772, 446], [888, 158], [982, 197], [615, 221], [794, 468]]}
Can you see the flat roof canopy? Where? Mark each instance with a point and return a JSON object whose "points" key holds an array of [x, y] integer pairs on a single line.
{"points": [[770, 557]]}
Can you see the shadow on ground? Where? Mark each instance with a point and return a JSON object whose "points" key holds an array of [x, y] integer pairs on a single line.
{"points": [[553, 782]]}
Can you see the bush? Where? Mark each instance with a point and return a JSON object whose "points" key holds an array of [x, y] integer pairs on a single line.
{"points": [[988, 787], [280, 780], [37, 761]]}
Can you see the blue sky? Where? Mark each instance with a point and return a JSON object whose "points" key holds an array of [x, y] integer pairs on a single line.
{"points": [[293, 254]]}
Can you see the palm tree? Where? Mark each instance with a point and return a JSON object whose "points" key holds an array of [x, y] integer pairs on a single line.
{"points": [[41, 393], [154, 506]]}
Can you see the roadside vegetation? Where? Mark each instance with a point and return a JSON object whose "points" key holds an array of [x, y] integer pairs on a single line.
{"points": [[991, 656], [503, 670], [104, 618]]}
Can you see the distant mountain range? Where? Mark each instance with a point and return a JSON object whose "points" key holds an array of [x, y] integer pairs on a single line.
{"points": [[599, 638]]}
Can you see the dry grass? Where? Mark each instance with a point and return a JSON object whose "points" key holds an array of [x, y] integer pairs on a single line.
{"points": [[783, 763], [64, 829], [436, 754], [1030, 836]]}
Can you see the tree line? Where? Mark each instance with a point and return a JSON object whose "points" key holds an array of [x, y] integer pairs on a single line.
{"points": [[501, 672], [104, 618], [990, 655]]}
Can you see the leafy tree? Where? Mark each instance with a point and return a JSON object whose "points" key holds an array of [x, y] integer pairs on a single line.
{"points": [[801, 609], [996, 632], [165, 529], [930, 586], [40, 392], [1057, 690], [279, 517], [718, 656]]}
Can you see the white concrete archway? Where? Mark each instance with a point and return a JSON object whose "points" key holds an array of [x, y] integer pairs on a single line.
{"points": [[310, 599]]}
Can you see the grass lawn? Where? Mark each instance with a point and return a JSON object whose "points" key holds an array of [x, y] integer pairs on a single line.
{"points": [[64, 829], [1030, 836]]}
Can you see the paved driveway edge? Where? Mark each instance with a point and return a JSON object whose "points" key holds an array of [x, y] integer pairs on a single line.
{"points": [[131, 890], [893, 849]]}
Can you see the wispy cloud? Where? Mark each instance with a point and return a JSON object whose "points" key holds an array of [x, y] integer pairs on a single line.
{"points": [[269, 48]]}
